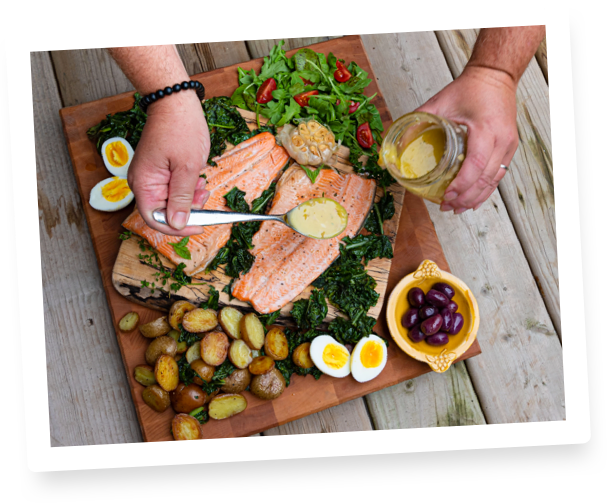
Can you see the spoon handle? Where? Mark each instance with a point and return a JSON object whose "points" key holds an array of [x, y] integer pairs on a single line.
{"points": [[215, 217]]}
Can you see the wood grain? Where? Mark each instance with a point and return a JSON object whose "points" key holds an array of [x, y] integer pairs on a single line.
{"points": [[541, 58], [261, 48]]}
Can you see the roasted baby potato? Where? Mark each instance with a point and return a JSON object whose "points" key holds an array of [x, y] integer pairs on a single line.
{"points": [[238, 381], [211, 396], [230, 320], [182, 346], [156, 328], [252, 331], [177, 311], [186, 398], [261, 365], [129, 322], [157, 398], [185, 427], [204, 370], [199, 320], [166, 372], [301, 356], [214, 348], [226, 405], [268, 386], [275, 344], [240, 354], [194, 352], [163, 345], [144, 374]]}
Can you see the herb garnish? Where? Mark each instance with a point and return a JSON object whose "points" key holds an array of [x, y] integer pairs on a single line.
{"points": [[181, 249], [311, 174], [200, 414], [213, 300]]}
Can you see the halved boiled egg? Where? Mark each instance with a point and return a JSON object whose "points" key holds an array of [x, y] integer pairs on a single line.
{"points": [[368, 358], [331, 357], [117, 154], [111, 194]]}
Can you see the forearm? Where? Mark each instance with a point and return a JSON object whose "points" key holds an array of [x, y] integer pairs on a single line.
{"points": [[508, 50]]}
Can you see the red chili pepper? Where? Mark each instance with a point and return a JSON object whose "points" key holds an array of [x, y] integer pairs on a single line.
{"points": [[364, 136], [354, 105], [303, 98], [341, 74], [264, 94]]}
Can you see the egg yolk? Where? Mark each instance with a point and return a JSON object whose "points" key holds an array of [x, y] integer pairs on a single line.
{"points": [[372, 354], [116, 190], [117, 154], [335, 356]]}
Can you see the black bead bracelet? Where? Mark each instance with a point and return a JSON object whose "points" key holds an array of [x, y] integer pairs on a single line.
{"points": [[161, 93]]}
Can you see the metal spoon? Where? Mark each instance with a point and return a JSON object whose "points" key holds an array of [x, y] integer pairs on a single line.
{"points": [[215, 217]]}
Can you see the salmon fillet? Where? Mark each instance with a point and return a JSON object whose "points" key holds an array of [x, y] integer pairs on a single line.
{"points": [[251, 166], [287, 262]]}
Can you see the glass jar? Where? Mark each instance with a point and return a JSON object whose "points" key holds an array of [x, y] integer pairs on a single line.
{"points": [[452, 138]]}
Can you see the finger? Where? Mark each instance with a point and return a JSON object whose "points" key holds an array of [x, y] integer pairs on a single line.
{"points": [[182, 184]]}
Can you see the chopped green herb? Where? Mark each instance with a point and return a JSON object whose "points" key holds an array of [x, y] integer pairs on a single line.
{"points": [[181, 248], [213, 300]]}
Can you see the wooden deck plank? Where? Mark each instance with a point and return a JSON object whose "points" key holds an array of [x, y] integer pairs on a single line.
{"points": [[519, 375], [259, 48], [199, 58], [541, 59], [410, 68], [527, 190], [89, 399]]}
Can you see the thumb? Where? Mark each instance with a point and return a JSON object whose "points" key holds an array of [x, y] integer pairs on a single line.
{"points": [[181, 192]]}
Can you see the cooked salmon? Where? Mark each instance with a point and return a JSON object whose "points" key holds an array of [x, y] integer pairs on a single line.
{"points": [[287, 262], [251, 166]]}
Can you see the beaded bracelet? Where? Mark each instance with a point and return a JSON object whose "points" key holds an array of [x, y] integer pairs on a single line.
{"points": [[161, 93]]}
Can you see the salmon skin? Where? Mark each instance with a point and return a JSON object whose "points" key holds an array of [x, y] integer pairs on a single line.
{"points": [[287, 262], [251, 166]]}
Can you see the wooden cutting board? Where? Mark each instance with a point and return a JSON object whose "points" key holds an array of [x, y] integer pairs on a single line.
{"points": [[415, 241]]}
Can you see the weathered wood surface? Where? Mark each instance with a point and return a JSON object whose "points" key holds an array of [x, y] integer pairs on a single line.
{"points": [[519, 375], [541, 58], [260, 48], [527, 189]]}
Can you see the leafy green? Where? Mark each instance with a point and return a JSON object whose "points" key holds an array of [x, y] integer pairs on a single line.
{"points": [[188, 337], [181, 249], [312, 174], [225, 125], [310, 313], [371, 168], [381, 211], [213, 299], [186, 373], [269, 318], [287, 366], [219, 377], [200, 414], [235, 199], [258, 206], [346, 331], [125, 235], [367, 247]]}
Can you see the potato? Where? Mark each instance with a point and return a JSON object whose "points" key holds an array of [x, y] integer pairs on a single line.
{"points": [[157, 398], [182, 346], [185, 427], [211, 396], [226, 405], [214, 348], [230, 319], [186, 398], [240, 354], [261, 365], [177, 311], [129, 322], [163, 345], [301, 356], [156, 328], [276, 345], [238, 381], [194, 352], [252, 331], [166, 372], [199, 320], [204, 370], [268, 386], [144, 374]]}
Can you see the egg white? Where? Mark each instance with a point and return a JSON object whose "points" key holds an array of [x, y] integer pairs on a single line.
{"points": [[97, 200], [117, 171], [358, 370], [317, 346]]}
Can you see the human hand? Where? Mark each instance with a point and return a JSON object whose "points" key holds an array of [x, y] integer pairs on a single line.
{"points": [[483, 99], [174, 146]]}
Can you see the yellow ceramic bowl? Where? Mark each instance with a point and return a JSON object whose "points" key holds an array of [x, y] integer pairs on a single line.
{"points": [[440, 358]]}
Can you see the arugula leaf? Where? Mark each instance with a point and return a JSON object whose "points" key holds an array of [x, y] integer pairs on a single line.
{"points": [[181, 249], [291, 111], [213, 299]]}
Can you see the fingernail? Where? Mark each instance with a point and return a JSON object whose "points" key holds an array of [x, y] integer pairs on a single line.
{"points": [[449, 196], [460, 210], [179, 220], [445, 207]]}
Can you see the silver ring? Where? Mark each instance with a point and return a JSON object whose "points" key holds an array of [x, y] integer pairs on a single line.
{"points": [[503, 166]]}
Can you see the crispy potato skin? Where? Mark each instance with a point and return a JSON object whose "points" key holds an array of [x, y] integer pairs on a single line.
{"points": [[261, 365], [252, 331], [268, 386], [239, 354], [301, 356], [156, 328], [166, 372], [144, 374], [181, 345], [129, 322], [275, 344], [204, 370], [230, 320], [156, 397], [214, 348], [176, 313], [211, 396], [238, 381], [194, 352], [185, 427], [163, 345], [199, 320], [185, 399], [226, 405]]}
